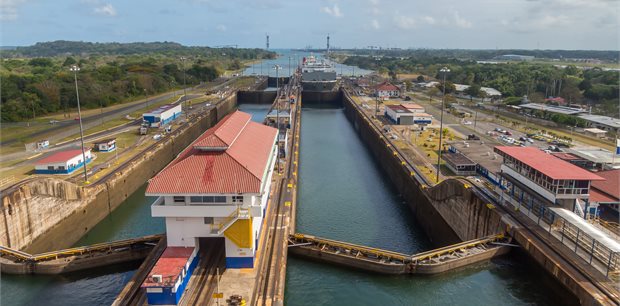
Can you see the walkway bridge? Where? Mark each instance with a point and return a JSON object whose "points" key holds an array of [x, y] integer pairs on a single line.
{"points": [[79, 258], [388, 262]]}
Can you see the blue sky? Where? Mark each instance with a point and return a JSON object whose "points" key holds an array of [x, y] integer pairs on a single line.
{"points": [[471, 24]]}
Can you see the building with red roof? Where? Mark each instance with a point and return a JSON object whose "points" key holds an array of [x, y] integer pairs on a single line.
{"points": [[386, 89], [167, 280], [64, 162], [218, 187], [532, 175], [606, 193]]}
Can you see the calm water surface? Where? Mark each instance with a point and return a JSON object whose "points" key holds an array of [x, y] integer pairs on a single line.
{"points": [[344, 195]]}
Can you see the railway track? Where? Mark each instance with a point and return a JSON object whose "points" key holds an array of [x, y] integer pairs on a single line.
{"points": [[201, 289], [268, 285]]}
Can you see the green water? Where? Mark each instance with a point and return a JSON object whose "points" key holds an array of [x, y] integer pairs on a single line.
{"points": [[344, 195]]}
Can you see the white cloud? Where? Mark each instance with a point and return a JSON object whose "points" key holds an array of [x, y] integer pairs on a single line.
{"points": [[375, 24], [429, 20], [8, 9], [333, 11], [461, 22], [405, 23], [221, 28], [105, 10]]}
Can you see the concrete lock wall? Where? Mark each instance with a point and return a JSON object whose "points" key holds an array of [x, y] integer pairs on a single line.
{"points": [[49, 214], [256, 97], [448, 213], [322, 97]]}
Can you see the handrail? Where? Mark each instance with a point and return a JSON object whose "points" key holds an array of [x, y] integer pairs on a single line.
{"points": [[106, 246], [395, 255]]}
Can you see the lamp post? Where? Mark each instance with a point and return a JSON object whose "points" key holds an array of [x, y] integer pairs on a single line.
{"points": [[75, 69], [146, 99], [183, 58], [445, 71], [277, 68]]}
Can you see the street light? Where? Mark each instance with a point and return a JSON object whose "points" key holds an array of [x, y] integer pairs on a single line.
{"points": [[146, 97], [75, 69], [183, 58], [277, 68], [445, 71]]}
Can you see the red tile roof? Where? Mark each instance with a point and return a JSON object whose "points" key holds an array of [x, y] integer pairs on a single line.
{"points": [[386, 86], [61, 156], [169, 266], [607, 190], [411, 106], [225, 132], [238, 169], [547, 164], [398, 108]]}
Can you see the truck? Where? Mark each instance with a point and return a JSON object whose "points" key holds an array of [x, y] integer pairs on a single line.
{"points": [[473, 137], [144, 128]]}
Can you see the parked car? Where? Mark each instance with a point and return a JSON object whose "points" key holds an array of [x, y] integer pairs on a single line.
{"points": [[507, 133], [522, 138]]}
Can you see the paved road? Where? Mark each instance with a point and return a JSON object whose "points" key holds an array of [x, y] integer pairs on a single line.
{"points": [[70, 126]]}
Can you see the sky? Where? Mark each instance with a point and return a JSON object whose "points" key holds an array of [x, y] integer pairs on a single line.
{"points": [[464, 24]]}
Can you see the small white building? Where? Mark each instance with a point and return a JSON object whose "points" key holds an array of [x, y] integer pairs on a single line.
{"points": [[163, 115], [399, 114], [422, 118], [106, 145], [62, 162], [386, 90], [594, 132], [218, 188]]}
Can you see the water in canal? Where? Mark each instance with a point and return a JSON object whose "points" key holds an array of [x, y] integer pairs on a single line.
{"points": [[344, 195], [266, 67]]}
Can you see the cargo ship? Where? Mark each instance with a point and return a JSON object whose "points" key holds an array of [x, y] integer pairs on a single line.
{"points": [[317, 75]]}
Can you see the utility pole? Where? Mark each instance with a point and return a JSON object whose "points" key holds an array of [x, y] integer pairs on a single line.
{"points": [[146, 99], [277, 68], [184, 85], [445, 71], [75, 69]]}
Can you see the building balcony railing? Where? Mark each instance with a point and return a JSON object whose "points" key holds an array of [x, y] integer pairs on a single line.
{"points": [[159, 209]]}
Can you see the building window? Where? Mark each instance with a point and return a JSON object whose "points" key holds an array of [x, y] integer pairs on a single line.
{"points": [[61, 167], [50, 167], [237, 199], [208, 220], [178, 199], [208, 199]]}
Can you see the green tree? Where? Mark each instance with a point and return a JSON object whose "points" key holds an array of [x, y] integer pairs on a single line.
{"points": [[420, 78], [69, 61], [473, 90]]}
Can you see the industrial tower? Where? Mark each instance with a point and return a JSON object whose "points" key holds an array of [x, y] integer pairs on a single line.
{"points": [[267, 42], [328, 43]]}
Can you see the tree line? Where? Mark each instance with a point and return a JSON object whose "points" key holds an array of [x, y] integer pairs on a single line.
{"points": [[42, 85], [594, 87]]}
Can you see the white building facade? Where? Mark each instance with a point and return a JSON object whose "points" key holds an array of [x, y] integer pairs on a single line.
{"points": [[62, 162]]}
